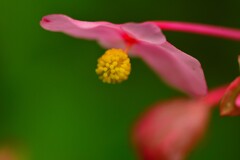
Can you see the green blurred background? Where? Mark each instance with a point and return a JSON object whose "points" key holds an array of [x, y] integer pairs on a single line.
{"points": [[52, 100]]}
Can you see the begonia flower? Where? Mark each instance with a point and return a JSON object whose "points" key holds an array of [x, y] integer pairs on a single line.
{"points": [[170, 130], [144, 40]]}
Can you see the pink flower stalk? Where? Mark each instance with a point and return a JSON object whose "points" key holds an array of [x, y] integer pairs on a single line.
{"points": [[144, 40], [169, 130], [202, 29]]}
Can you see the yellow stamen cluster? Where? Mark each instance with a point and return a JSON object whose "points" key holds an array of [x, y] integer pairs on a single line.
{"points": [[114, 66]]}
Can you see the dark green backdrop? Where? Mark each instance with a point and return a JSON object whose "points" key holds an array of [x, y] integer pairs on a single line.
{"points": [[52, 100]]}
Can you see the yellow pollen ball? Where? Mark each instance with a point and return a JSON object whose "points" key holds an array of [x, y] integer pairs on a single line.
{"points": [[114, 66]]}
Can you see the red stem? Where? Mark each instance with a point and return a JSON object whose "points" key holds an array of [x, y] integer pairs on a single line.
{"points": [[202, 29], [214, 96]]}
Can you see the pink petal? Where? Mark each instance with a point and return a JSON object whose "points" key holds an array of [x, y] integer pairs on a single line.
{"points": [[107, 34], [230, 104], [169, 130], [146, 32], [175, 67]]}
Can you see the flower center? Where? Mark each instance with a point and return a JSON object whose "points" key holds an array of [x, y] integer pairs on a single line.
{"points": [[114, 66]]}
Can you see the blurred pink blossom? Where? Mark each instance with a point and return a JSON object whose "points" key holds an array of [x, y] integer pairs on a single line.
{"points": [[169, 130]]}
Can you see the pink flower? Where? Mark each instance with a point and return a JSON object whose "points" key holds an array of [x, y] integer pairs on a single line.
{"points": [[170, 130], [144, 40]]}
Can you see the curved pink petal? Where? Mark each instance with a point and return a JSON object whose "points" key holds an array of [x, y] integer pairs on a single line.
{"points": [[107, 34], [146, 32], [169, 130], [174, 66]]}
